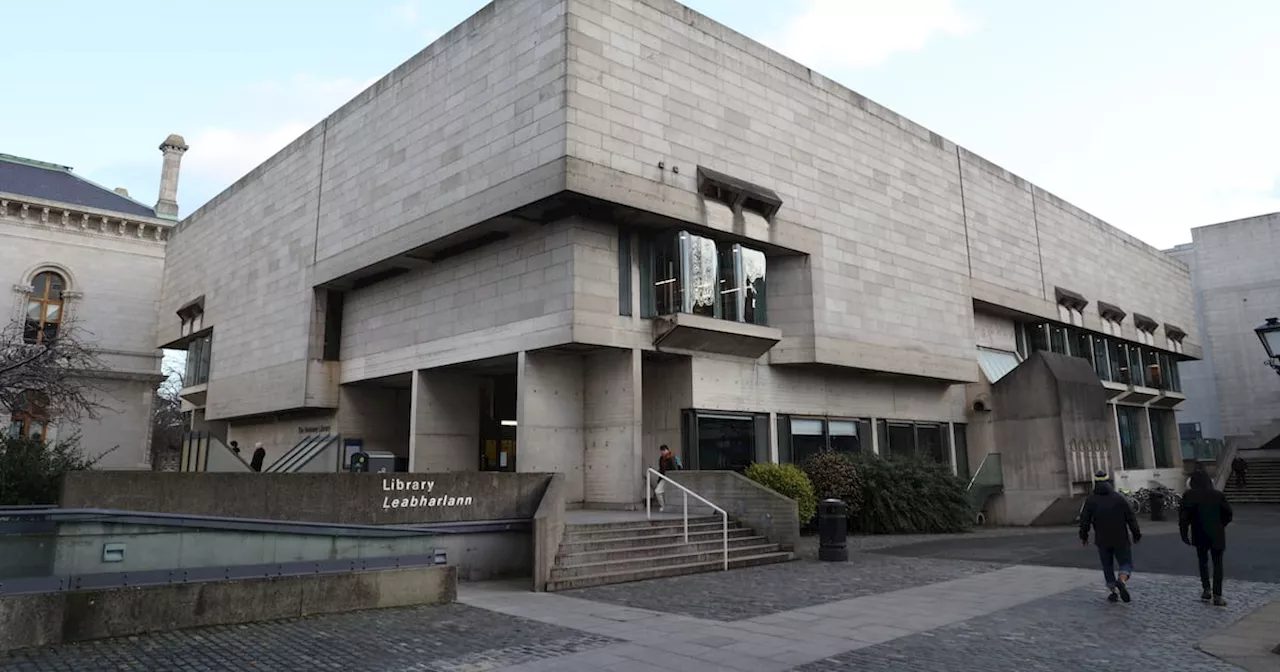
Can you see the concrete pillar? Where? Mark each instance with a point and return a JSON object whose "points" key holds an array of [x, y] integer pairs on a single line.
{"points": [[550, 418], [444, 422], [613, 475], [875, 436]]}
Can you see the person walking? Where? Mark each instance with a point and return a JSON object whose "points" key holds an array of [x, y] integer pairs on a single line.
{"points": [[1202, 521], [1109, 515], [259, 456], [1240, 469], [666, 462]]}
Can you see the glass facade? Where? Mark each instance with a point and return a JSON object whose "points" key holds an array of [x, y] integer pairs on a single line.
{"points": [[1161, 420], [1128, 419], [689, 273], [1113, 359], [199, 354], [800, 438]]}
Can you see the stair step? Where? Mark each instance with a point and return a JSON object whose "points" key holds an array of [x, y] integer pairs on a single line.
{"points": [[638, 564], [642, 524], [622, 553], [568, 546], [577, 534], [666, 571]]}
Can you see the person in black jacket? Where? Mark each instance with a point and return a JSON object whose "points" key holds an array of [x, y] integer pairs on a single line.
{"points": [[1203, 521], [1112, 520]]}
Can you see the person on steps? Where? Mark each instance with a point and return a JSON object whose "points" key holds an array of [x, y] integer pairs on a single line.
{"points": [[1112, 520], [666, 462], [1203, 521], [1240, 469]]}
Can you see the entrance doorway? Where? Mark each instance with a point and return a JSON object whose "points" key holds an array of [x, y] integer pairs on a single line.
{"points": [[498, 422]]}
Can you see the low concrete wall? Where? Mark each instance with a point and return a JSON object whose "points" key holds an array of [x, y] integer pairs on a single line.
{"points": [[548, 530], [40, 620], [768, 513], [362, 499], [78, 549]]}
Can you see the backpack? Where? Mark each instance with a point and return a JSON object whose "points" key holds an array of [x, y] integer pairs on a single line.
{"points": [[678, 463]]}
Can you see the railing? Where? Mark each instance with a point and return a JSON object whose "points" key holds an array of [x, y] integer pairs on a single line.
{"points": [[648, 508]]}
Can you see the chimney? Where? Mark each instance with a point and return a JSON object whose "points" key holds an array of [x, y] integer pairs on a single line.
{"points": [[173, 147], [122, 191]]}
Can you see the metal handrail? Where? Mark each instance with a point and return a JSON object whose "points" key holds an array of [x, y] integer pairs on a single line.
{"points": [[648, 508]]}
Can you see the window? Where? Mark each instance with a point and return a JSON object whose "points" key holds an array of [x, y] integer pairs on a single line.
{"points": [[44, 308], [925, 440], [801, 438], [1038, 337], [1058, 339], [199, 354], [1118, 354], [1137, 372], [1161, 420], [331, 350], [725, 441], [1127, 419], [961, 443], [1101, 359], [1081, 344], [1020, 340], [29, 417], [624, 272], [694, 274]]}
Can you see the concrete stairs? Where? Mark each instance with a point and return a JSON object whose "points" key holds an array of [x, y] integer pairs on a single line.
{"points": [[597, 554], [1263, 482]]}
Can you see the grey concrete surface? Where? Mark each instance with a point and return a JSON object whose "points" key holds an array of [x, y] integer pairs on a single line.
{"points": [[1253, 544]]}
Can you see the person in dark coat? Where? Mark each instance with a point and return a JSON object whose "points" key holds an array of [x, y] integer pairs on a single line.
{"points": [[1240, 469], [259, 456], [1203, 521], [1112, 520]]}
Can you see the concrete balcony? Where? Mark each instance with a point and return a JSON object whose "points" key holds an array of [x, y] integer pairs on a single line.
{"points": [[1168, 399], [684, 331]]}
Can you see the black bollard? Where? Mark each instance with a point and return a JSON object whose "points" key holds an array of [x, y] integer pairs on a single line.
{"points": [[1156, 502], [833, 529]]}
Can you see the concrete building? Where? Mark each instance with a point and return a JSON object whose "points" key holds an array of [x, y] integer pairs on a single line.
{"points": [[76, 252], [570, 231], [1236, 281]]}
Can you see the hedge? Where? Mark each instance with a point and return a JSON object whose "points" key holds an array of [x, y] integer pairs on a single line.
{"points": [[894, 495], [789, 481]]}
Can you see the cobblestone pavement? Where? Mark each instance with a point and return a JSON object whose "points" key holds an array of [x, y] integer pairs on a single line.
{"points": [[724, 596], [1252, 547], [452, 638], [1073, 630]]}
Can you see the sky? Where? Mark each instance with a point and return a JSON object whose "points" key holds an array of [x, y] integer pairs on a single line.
{"points": [[1155, 115]]}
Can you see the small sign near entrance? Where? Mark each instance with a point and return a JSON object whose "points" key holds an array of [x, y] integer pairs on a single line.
{"points": [[313, 429]]}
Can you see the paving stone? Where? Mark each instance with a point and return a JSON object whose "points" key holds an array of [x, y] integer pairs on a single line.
{"points": [[748, 593], [1073, 630], [451, 638]]}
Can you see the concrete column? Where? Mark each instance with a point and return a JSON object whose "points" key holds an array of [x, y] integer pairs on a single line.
{"points": [[875, 436], [613, 474], [550, 418], [773, 438], [444, 422]]}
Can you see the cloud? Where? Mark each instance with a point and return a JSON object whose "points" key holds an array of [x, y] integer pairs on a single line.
{"points": [[866, 33], [271, 114]]}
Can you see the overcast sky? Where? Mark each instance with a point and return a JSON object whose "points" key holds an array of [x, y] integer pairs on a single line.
{"points": [[1156, 115]]}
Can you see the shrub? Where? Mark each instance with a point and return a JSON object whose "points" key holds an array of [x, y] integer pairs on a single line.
{"points": [[31, 470], [834, 477], [906, 496], [788, 481]]}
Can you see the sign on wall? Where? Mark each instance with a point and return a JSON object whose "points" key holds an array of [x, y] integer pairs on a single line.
{"points": [[409, 493]]}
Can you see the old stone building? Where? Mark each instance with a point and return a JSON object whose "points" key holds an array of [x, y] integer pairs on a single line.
{"points": [[570, 231], [74, 252]]}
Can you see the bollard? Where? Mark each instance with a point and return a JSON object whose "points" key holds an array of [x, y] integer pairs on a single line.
{"points": [[833, 528], [1156, 502]]}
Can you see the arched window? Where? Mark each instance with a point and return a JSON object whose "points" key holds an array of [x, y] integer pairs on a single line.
{"points": [[29, 418], [44, 307]]}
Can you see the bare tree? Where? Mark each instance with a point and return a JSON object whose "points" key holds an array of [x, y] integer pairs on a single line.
{"points": [[167, 422], [53, 375]]}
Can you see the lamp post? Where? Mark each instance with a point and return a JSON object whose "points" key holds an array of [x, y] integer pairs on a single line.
{"points": [[1269, 334]]}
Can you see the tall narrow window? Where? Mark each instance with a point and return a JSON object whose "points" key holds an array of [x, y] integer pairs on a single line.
{"points": [[668, 296], [701, 270], [624, 272], [730, 293], [44, 308], [751, 268], [1101, 359], [1127, 418]]}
